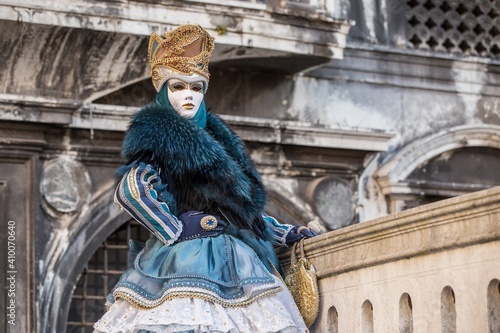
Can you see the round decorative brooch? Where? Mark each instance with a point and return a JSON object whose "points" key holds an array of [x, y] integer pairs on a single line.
{"points": [[209, 222]]}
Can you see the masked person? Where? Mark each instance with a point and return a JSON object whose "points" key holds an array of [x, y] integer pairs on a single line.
{"points": [[210, 266]]}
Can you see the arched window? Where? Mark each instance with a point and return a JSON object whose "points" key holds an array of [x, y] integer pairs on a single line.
{"points": [[99, 277], [449, 163]]}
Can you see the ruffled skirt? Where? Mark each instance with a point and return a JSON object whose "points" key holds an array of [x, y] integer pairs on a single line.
{"points": [[274, 313], [212, 284]]}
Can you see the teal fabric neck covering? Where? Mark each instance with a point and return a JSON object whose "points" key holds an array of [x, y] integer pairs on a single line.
{"points": [[200, 118]]}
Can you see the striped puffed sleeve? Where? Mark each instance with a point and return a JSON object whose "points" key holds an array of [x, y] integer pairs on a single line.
{"points": [[279, 231], [136, 194]]}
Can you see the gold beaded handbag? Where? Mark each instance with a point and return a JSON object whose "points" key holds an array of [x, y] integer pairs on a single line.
{"points": [[302, 283]]}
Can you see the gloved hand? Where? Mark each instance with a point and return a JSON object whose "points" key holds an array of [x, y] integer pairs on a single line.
{"points": [[298, 232], [197, 224]]}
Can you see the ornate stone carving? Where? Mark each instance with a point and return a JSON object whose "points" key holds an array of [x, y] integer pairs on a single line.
{"points": [[332, 200], [65, 185]]}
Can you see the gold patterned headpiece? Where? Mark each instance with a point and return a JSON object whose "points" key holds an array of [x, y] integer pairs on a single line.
{"points": [[184, 51]]}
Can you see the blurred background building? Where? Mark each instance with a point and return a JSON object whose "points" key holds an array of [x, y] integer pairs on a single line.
{"points": [[352, 110]]}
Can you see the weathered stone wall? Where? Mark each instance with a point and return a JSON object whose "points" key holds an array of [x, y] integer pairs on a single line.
{"points": [[419, 73]]}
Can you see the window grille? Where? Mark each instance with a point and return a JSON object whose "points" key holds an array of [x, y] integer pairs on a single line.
{"points": [[99, 276], [470, 28]]}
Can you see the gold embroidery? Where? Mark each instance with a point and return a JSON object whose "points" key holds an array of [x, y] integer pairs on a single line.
{"points": [[208, 222], [185, 50], [132, 184]]}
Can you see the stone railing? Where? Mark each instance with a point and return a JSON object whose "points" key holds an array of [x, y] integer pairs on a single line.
{"points": [[435, 268]]}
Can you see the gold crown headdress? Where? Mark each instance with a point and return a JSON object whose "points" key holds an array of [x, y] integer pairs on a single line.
{"points": [[184, 51]]}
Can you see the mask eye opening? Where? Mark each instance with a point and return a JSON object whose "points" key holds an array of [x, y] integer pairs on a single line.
{"points": [[197, 87]]}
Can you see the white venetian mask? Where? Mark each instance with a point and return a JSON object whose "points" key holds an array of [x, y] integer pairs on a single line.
{"points": [[186, 96]]}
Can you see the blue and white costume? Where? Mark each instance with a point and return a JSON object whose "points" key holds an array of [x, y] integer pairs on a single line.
{"points": [[188, 179], [227, 282]]}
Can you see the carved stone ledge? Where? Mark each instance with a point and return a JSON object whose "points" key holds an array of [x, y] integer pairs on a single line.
{"points": [[37, 109], [453, 223]]}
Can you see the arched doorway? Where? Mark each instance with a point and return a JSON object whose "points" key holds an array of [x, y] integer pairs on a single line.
{"points": [[69, 256], [452, 162]]}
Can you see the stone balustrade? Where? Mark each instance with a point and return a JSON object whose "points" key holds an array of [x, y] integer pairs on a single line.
{"points": [[434, 268]]}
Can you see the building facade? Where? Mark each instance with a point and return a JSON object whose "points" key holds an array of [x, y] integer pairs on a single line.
{"points": [[352, 110]]}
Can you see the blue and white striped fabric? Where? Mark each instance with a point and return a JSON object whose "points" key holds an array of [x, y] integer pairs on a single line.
{"points": [[135, 194], [279, 230]]}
